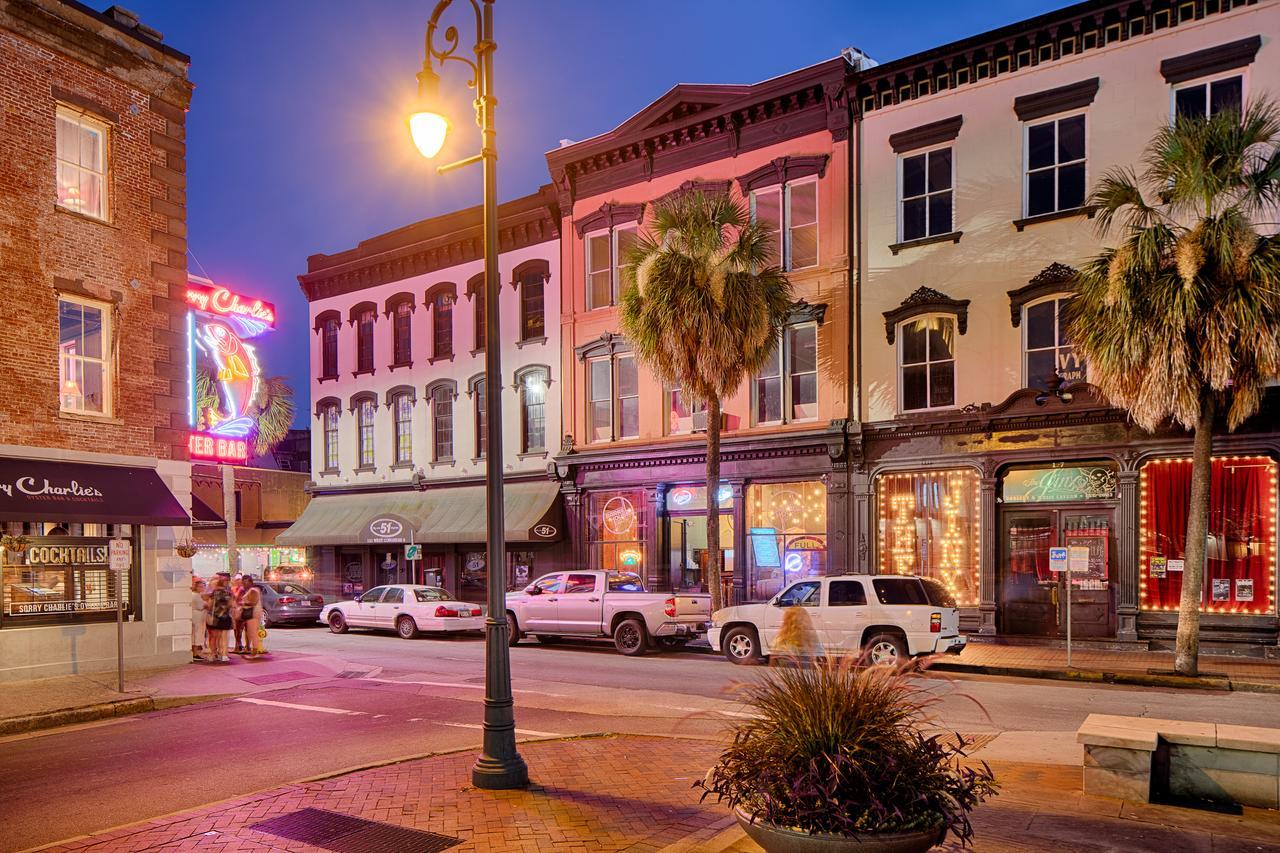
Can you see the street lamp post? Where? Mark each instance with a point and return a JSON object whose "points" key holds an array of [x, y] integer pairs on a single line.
{"points": [[499, 765]]}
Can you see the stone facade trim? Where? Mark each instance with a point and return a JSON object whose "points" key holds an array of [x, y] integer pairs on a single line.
{"points": [[1211, 60], [609, 343], [933, 133], [926, 300], [609, 215], [1073, 96], [1055, 278], [780, 170]]}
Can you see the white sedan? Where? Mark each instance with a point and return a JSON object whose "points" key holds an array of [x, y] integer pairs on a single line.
{"points": [[407, 609]]}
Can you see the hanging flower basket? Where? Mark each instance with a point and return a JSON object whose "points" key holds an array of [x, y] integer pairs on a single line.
{"points": [[14, 544], [186, 548]]}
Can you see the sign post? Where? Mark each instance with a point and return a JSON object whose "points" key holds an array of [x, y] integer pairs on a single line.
{"points": [[120, 556], [412, 554], [1077, 563]]}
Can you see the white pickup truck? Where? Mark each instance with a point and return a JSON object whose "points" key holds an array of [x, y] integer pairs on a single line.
{"points": [[887, 618], [606, 604]]}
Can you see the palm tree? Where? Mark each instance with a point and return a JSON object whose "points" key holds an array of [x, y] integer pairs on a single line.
{"points": [[1181, 320], [275, 415], [703, 308]]}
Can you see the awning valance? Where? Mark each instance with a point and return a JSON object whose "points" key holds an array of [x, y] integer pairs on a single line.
{"points": [[41, 490], [446, 515]]}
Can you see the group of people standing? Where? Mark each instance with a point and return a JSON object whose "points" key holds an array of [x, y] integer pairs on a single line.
{"points": [[220, 607]]}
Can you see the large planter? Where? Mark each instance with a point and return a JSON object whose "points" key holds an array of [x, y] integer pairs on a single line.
{"points": [[775, 839]]}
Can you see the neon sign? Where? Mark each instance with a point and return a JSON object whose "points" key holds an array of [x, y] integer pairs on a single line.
{"points": [[224, 372]]}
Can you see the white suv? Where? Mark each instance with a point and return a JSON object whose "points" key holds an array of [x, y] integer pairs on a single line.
{"points": [[886, 617]]}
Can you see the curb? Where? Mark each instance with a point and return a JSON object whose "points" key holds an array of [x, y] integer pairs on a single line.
{"points": [[98, 711], [1105, 677]]}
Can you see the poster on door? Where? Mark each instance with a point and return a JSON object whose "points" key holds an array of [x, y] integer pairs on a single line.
{"points": [[1222, 589], [1094, 540]]}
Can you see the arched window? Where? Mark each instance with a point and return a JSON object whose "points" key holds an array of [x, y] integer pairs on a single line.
{"points": [[927, 363], [402, 328], [402, 425], [327, 324], [1046, 350], [531, 382], [480, 407], [481, 327], [531, 277], [442, 325], [329, 412], [442, 394], [365, 407], [362, 317]]}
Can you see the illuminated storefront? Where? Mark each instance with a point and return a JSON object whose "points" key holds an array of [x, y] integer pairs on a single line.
{"points": [[268, 562], [787, 535], [1240, 557], [616, 531], [927, 524]]}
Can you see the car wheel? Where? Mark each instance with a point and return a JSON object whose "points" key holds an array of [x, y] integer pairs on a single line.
{"points": [[630, 637], [406, 628], [548, 639], [742, 646], [884, 650], [513, 630], [337, 622]]}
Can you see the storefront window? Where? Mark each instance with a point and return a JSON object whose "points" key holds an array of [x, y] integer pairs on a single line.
{"points": [[928, 525], [786, 535], [1241, 550], [616, 531], [63, 575]]}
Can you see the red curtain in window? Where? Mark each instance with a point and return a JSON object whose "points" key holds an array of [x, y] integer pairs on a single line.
{"points": [[1241, 542]]}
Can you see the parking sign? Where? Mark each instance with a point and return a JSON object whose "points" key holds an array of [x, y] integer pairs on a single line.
{"points": [[413, 552], [119, 554], [1057, 559]]}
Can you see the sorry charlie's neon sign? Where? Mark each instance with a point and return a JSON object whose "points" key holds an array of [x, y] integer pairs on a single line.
{"points": [[220, 300]]}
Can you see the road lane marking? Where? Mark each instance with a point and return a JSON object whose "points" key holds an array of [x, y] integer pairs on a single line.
{"points": [[529, 732], [275, 704], [460, 685]]}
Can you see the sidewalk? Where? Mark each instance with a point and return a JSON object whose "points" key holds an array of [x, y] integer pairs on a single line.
{"points": [[1153, 669], [47, 702], [632, 793]]}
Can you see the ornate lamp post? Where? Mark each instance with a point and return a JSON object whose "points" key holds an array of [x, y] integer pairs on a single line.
{"points": [[499, 765]]}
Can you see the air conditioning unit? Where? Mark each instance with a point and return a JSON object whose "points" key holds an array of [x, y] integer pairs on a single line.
{"points": [[700, 421]]}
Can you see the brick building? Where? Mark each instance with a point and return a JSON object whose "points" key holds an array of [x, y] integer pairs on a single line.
{"points": [[92, 350]]}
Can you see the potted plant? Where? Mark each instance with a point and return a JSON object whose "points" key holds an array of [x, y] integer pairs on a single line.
{"points": [[835, 757]]}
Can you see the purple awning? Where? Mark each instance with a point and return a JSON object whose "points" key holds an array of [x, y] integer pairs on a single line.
{"points": [[40, 490]]}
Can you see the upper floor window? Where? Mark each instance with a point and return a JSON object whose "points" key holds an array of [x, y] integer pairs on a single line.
{"points": [[533, 409], [330, 416], [607, 253], [480, 319], [926, 364], [84, 356], [401, 333], [442, 325], [1055, 158], [1204, 98], [925, 205], [82, 163], [402, 412], [1045, 346], [442, 422], [365, 411], [789, 212], [532, 321], [329, 348], [613, 398], [786, 387], [683, 415], [481, 404], [364, 340]]}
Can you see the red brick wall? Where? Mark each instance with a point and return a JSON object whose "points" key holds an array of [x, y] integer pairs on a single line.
{"points": [[44, 248]]}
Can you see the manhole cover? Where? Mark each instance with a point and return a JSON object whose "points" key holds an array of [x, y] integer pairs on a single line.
{"points": [[346, 834]]}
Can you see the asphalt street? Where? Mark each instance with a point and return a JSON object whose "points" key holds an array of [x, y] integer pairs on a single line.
{"points": [[421, 696]]}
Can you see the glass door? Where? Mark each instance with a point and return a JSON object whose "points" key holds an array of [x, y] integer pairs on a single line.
{"points": [[687, 543], [1034, 597], [1029, 591]]}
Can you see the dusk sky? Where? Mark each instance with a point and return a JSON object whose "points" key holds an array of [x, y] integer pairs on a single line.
{"points": [[296, 138]]}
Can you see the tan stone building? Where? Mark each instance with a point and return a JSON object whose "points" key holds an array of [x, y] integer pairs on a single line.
{"points": [[92, 354], [984, 447]]}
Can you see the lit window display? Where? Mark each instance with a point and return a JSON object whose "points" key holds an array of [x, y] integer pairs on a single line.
{"points": [[1241, 550], [60, 573], [786, 535], [615, 530], [927, 524], [264, 562]]}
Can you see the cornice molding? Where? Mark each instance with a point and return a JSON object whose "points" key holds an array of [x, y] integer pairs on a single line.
{"points": [[782, 169], [710, 188], [1055, 278], [807, 312], [397, 390], [926, 300], [532, 267], [933, 133], [324, 317], [325, 402], [394, 301], [1073, 96], [1211, 60], [609, 343], [609, 215], [353, 314]]}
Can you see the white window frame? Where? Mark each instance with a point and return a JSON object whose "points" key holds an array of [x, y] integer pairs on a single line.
{"points": [[86, 120], [330, 442], [397, 434], [784, 226], [615, 400], [1205, 82], [107, 360], [784, 377], [524, 378], [479, 416], [1062, 299], [669, 393], [361, 435], [615, 267], [437, 395], [902, 158], [900, 337], [1026, 160]]}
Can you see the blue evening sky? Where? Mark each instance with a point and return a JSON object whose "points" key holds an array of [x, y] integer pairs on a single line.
{"points": [[296, 137]]}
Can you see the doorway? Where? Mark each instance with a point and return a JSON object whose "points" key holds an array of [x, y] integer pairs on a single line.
{"points": [[1034, 595], [688, 550]]}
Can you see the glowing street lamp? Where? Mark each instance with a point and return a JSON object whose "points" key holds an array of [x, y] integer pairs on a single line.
{"points": [[499, 765]]}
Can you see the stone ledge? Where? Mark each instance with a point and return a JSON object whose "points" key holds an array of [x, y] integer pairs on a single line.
{"points": [[1248, 738]]}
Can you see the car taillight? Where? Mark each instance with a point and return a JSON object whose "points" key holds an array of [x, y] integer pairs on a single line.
{"points": [[317, 600], [287, 599], [446, 611], [935, 623], [670, 609]]}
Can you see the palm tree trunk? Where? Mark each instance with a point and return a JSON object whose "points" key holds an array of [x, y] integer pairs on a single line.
{"points": [[1188, 639], [713, 502]]}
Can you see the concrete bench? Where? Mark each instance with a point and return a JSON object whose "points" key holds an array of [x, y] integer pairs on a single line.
{"points": [[1133, 758]]}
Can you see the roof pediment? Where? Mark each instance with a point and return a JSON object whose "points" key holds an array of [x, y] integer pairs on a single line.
{"points": [[682, 102]]}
